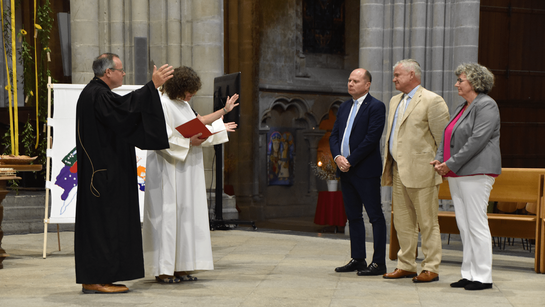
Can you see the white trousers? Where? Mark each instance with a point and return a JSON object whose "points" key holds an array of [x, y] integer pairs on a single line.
{"points": [[470, 197]]}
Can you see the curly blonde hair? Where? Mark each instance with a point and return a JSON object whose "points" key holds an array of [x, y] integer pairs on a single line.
{"points": [[478, 76], [184, 80]]}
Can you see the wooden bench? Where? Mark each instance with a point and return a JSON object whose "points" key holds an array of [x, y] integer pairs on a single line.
{"points": [[513, 185]]}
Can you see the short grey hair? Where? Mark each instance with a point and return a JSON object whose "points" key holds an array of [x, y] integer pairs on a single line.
{"points": [[478, 76], [410, 65], [103, 62]]}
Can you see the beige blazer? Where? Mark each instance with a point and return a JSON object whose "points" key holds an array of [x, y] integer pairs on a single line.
{"points": [[419, 136]]}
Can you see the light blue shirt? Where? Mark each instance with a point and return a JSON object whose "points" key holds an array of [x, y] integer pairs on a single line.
{"points": [[357, 105], [410, 94]]}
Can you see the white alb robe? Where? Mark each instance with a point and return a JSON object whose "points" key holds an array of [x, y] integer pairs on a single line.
{"points": [[176, 231]]}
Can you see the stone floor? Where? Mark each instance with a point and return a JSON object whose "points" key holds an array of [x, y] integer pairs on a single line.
{"points": [[267, 267]]}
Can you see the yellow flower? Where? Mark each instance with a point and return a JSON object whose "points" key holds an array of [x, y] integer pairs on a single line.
{"points": [[46, 49], [23, 31], [37, 26], [31, 93], [6, 88]]}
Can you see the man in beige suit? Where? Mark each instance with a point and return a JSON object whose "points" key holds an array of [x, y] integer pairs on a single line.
{"points": [[416, 121]]}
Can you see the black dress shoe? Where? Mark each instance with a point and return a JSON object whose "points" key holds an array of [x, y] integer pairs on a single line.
{"points": [[477, 285], [353, 265], [460, 283], [373, 269]]}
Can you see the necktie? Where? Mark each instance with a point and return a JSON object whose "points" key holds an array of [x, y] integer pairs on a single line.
{"points": [[346, 139], [400, 113]]}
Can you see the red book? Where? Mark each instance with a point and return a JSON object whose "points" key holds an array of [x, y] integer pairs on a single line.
{"points": [[193, 127]]}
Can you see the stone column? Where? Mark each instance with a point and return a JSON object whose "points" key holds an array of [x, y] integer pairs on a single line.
{"points": [[174, 33], [438, 34], [84, 37], [464, 40], [313, 137], [187, 32], [371, 37], [207, 59], [435, 59], [113, 30], [136, 25], [160, 26]]}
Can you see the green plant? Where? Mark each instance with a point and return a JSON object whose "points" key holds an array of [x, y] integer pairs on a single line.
{"points": [[34, 59]]}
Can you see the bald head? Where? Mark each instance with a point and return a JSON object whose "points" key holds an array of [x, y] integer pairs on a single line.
{"points": [[359, 83]]}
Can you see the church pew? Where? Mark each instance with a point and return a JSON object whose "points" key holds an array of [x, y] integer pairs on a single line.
{"points": [[513, 185]]}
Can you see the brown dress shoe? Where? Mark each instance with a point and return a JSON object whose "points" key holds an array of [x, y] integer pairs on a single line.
{"points": [[103, 288], [426, 276], [399, 273]]}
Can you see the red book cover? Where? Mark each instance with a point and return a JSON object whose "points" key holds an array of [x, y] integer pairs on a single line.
{"points": [[193, 127]]}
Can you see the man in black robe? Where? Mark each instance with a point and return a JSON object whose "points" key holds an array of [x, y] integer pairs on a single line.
{"points": [[108, 238]]}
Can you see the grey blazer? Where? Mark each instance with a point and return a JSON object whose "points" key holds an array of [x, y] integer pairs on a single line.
{"points": [[475, 141]]}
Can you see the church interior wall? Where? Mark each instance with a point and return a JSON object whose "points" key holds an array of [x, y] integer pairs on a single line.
{"points": [[297, 89]]}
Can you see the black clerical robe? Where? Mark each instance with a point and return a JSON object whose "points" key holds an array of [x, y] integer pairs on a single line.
{"points": [[108, 238]]}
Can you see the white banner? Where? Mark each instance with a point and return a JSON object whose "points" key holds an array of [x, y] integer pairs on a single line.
{"points": [[63, 182]]}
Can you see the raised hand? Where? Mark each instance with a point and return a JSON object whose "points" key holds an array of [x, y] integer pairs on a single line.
{"points": [[230, 104], [230, 127], [161, 75]]}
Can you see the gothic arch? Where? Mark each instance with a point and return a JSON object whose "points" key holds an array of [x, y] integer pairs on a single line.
{"points": [[301, 117]]}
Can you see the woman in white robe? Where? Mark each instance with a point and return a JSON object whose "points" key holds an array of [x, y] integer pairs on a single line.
{"points": [[176, 231]]}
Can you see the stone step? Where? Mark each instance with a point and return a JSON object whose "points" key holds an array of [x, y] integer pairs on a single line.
{"points": [[24, 198], [24, 213], [32, 226]]}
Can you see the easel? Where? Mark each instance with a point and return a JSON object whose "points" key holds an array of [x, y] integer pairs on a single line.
{"points": [[48, 172]]}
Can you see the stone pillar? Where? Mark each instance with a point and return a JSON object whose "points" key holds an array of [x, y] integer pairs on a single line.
{"points": [[435, 60], [313, 137], [247, 143], [160, 27], [187, 32], [207, 36], [438, 34], [137, 25], [464, 40], [113, 30], [371, 36], [174, 33], [85, 38], [207, 50]]}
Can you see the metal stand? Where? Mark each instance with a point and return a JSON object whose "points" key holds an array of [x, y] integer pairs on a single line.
{"points": [[219, 223]]}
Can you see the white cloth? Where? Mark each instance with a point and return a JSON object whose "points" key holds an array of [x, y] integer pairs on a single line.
{"points": [[176, 231], [470, 196]]}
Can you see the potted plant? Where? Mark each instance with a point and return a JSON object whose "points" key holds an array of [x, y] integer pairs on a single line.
{"points": [[326, 169]]}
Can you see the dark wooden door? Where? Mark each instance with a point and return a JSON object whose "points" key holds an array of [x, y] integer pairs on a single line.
{"points": [[512, 46]]}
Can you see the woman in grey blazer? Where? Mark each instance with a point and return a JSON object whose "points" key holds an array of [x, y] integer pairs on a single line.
{"points": [[469, 156]]}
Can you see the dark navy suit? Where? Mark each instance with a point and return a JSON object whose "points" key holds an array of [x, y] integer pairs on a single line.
{"points": [[361, 184]]}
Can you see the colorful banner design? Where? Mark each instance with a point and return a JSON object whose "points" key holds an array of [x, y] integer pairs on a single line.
{"points": [[64, 181]]}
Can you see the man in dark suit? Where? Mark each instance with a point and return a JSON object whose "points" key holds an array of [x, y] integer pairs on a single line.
{"points": [[355, 146]]}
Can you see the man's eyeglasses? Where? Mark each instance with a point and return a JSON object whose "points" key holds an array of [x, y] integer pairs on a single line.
{"points": [[120, 69]]}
